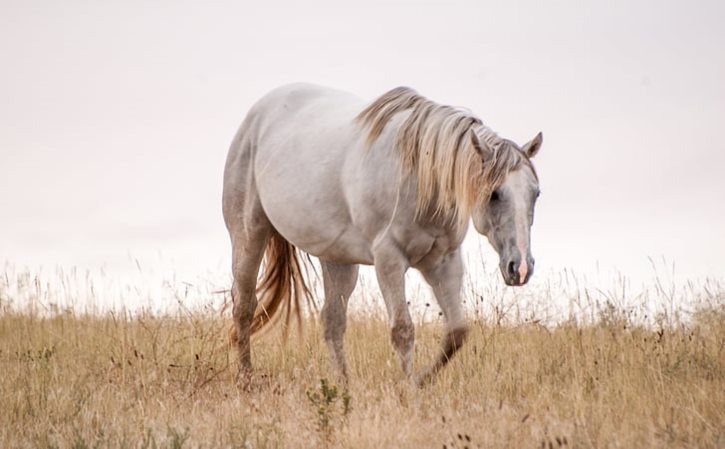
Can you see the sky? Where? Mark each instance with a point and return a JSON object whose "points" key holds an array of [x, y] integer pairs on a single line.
{"points": [[116, 116]]}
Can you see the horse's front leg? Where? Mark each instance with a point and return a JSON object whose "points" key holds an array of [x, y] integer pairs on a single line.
{"points": [[446, 279], [390, 267]]}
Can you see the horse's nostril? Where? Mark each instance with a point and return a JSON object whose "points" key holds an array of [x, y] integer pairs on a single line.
{"points": [[511, 268]]}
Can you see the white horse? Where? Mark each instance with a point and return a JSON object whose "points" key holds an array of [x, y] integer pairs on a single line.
{"points": [[392, 184]]}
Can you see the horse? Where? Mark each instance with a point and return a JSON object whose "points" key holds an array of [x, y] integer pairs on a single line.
{"points": [[393, 183]]}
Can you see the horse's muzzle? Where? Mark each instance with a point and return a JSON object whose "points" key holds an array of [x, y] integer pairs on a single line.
{"points": [[516, 273]]}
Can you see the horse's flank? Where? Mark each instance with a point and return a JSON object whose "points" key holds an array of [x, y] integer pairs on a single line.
{"points": [[435, 141]]}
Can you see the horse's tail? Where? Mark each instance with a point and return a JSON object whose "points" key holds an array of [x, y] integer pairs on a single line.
{"points": [[281, 288]]}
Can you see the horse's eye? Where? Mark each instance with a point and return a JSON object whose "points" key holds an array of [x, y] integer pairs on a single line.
{"points": [[495, 195]]}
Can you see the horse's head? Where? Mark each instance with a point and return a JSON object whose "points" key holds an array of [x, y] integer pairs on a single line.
{"points": [[505, 217]]}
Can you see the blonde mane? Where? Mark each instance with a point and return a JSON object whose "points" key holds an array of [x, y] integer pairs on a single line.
{"points": [[436, 142]]}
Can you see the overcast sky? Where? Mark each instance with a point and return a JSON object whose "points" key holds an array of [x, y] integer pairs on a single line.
{"points": [[115, 117]]}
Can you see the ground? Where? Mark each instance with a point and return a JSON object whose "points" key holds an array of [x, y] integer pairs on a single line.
{"points": [[73, 380]]}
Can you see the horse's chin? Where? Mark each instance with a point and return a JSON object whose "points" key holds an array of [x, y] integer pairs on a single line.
{"points": [[513, 282]]}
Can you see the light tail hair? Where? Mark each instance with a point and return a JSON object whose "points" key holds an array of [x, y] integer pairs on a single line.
{"points": [[282, 288]]}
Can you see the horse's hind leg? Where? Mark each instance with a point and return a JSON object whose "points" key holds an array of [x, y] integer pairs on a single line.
{"points": [[446, 280], [339, 282], [249, 230]]}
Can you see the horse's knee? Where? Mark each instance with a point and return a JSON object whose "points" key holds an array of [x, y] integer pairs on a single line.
{"points": [[333, 322], [402, 335], [333, 331]]}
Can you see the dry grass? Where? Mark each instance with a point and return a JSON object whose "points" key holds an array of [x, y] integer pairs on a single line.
{"points": [[153, 381]]}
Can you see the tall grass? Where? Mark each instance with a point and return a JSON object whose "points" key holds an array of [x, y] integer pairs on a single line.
{"points": [[610, 368]]}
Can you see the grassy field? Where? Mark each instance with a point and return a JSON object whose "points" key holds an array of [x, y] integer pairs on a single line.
{"points": [[75, 380]]}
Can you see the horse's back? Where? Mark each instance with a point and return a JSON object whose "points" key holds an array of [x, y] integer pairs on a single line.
{"points": [[287, 102], [310, 125], [286, 113], [298, 144]]}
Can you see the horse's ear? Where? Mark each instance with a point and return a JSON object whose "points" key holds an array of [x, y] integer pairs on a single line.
{"points": [[482, 148], [531, 148]]}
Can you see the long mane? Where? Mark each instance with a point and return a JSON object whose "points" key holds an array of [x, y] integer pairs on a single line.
{"points": [[435, 142]]}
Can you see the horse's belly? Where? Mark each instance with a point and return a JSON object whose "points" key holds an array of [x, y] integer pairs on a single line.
{"points": [[312, 216], [327, 236], [351, 247]]}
